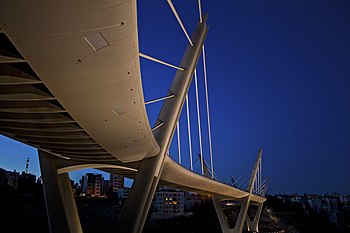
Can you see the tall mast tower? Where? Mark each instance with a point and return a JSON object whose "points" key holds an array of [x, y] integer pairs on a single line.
{"points": [[27, 165]]}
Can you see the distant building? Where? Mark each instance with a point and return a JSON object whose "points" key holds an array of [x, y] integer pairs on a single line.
{"points": [[12, 179], [168, 203], [116, 181], [3, 178], [104, 187], [123, 193], [92, 184], [295, 198], [326, 205], [329, 208], [26, 182], [191, 200], [344, 199]]}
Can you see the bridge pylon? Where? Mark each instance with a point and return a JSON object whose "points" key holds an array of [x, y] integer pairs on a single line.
{"points": [[134, 213]]}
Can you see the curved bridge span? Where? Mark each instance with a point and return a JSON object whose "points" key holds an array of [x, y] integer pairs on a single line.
{"points": [[70, 85]]}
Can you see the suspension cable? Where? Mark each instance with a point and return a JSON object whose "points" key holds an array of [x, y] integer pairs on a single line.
{"points": [[259, 169], [178, 141], [215, 176], [262, 186], [246, 164], [256, 180], [157, 126], [245, 179], [189, 131], [200, 11], [197, 169], [261, 189], [195, 162], [244, 174], [258, 175], [260, 164], [179, 20], [199, 122], [160, 99], [263, 192], [159, 61], [208, 112], [206, 94]]}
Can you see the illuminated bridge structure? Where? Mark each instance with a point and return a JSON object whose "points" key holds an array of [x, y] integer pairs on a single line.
{"points": [[70, 86]]}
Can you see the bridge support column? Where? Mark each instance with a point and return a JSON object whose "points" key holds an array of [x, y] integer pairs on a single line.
{"points": [[253, 226], [69, 204], [137, 205], [60, 205], [242, 216], [134, 213]]}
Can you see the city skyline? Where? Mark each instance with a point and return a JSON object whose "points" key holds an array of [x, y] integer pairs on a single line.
{"points": [[14, 148], [279, 79]]}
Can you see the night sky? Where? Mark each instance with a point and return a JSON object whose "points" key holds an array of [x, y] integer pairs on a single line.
{"points": [[279, 79]]}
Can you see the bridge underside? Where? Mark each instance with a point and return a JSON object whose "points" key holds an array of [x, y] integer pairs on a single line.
{"points": [[70, 79]]}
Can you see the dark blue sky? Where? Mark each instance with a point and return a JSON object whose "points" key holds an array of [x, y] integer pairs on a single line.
{"points": [[279, 79]]}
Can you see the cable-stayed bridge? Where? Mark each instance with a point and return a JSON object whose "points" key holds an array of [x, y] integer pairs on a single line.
{"points": [[71, 86]]}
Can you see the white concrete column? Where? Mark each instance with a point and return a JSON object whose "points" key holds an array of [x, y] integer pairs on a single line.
{"points": [[55, 209], [69, 204], [253, 225]]}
